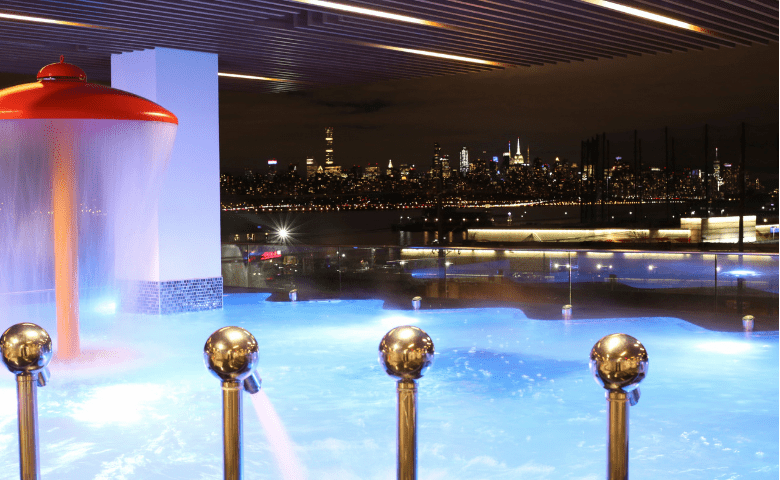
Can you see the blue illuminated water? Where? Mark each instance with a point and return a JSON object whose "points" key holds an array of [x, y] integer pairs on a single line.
{"points": [[507, 397]]}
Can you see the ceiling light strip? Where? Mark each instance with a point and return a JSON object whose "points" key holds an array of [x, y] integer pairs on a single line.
{"points": [[370, 12], [651, 16], [430, 54], [442, 55], [29, 18], [254, 77]]}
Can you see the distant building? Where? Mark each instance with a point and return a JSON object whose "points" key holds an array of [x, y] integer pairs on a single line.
{"points": [[436, 164], [371, 171], [333, 169], [506, 157], [311, 167], [464, 161], [272, 166], [517, 159], [328, 146], [390, 167], [445, 166]]}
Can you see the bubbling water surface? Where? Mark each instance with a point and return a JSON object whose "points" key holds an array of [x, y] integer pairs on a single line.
{"points": [[507, 397]]}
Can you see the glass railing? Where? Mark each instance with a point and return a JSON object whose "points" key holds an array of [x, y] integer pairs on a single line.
{"points": [[727, 279]]}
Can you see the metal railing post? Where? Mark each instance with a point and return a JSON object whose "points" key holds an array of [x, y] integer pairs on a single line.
{"points": [[416, 303], [405, 353], [230, 354], [569, 260], [26, 350], [618, 362]]}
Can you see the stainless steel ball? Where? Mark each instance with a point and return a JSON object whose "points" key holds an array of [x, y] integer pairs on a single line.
{"points": [[618, 362], [230, 353], [26, 348], [406, 352]]}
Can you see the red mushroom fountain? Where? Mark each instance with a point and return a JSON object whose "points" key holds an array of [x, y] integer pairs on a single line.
{"points": [[65, 125]]}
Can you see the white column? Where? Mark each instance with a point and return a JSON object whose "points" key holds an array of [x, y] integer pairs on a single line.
{"points": [[186, 84]]}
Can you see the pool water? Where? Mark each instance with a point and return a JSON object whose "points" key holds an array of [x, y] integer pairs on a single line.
{"points": [[507, 397]]}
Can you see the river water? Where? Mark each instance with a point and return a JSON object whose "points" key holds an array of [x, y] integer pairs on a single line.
{"points": [[374, 227]]}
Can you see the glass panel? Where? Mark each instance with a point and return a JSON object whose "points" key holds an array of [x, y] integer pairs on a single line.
{"points": [[681, 280]]}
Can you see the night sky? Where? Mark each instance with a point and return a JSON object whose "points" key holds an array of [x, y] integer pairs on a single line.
{"points": [[551, 107]]}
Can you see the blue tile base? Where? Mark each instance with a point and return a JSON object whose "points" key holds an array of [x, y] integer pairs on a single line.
{"points": [[175, 296]]}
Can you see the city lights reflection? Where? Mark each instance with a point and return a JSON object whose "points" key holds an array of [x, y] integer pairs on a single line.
{"points": [[742, 273]]}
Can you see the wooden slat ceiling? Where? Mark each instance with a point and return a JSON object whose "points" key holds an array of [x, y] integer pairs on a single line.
{"points": [[311, 45]]}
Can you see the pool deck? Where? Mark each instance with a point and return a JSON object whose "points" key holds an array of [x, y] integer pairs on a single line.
{"points": [[588, 301]]}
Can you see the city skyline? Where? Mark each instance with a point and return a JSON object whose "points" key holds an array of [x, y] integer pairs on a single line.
{"points": [[667, 151], [400, 120]]}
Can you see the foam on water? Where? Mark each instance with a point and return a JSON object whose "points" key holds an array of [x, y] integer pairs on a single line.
{"points": [[507, 397]]}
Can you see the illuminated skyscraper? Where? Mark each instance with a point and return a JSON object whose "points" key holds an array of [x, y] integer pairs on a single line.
{"points": [[311, 167], [518, 158], [464, 161], [506, 158], [371, 171], [436, 165], [716, 171], [330, 168], [329, 146]]}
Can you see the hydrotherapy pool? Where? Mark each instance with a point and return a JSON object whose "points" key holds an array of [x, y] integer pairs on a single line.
{"points": [[507, 397]]}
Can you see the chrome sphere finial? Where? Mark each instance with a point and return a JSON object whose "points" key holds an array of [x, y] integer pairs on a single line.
{"points": [[406, 352], [26, 348], [618, 362], [230, 353]]}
